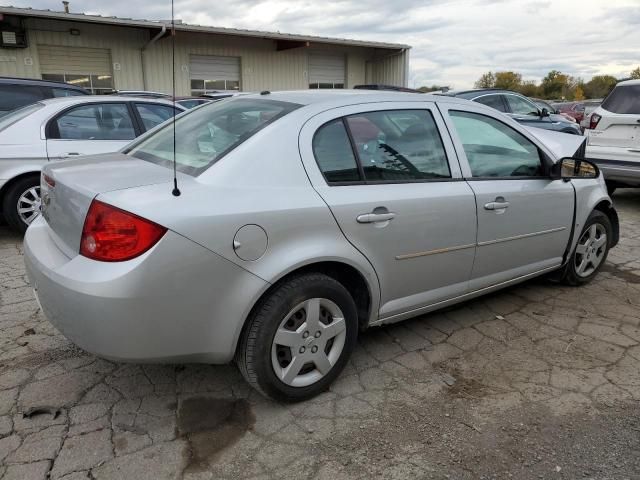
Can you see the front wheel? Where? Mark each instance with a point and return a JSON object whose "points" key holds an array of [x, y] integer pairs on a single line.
{"points": [[299, 338], [590, 252]]}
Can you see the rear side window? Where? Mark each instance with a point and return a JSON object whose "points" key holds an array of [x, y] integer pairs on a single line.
{"points": [[107, 121], [399, 145], [333, 153], [624, 99], [206, 134], [17, 96], [493, 101], [153, 114]]}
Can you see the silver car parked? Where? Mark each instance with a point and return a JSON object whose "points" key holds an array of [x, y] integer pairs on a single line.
{"points": [[302, 218], [62, 128]]}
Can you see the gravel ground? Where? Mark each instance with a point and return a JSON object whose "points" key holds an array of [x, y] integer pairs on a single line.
{"points": [[536, 381]]}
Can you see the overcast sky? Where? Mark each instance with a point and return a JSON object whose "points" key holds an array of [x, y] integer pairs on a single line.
{"points": [[453, 41]]}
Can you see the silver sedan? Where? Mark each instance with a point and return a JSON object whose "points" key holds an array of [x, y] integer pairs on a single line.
{"points": [[301, 218], [63, 128]]}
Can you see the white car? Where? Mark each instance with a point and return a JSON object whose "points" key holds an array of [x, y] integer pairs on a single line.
{"points": [[614, 136], [62, 128]]}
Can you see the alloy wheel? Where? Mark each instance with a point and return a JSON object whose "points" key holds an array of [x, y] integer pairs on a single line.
{"points": [[29, 205], [590, 250], [308, 342]]}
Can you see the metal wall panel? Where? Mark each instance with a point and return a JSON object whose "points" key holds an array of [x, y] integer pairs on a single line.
{"points": [[389, 69]]}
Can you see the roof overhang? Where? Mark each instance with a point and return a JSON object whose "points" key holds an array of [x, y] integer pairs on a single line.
{"points": [[287, 40]]}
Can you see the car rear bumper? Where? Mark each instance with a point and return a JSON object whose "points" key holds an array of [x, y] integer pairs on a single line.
{"points": [[177, 302], [618, 164]]}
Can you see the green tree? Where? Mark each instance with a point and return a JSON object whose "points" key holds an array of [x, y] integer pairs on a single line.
{"points": [[556, 84], [635, 74], [578, 94], [599, 86], [508, 80], [487, 80], [529, 89]]}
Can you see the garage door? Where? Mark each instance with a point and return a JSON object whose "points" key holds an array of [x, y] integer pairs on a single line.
{"points": [[212, 73], [85, 67], [326, 71]]}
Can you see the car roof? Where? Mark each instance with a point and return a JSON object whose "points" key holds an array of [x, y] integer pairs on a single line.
{"points": [[628, 82], [103, 99], [41, 83], [338, 97]]}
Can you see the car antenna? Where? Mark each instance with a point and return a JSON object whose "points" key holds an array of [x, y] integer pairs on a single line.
{"points": [[176, 190]]}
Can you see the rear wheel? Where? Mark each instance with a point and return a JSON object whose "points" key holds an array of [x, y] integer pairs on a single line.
{"points": [[21, 203], [299, 338], [591, 251]]}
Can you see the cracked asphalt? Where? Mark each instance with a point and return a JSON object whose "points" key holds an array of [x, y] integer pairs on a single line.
{"points": [[536, 381]]}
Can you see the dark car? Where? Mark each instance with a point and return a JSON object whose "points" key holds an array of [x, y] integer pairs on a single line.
{"points": [[520, 108], [19, 92]]}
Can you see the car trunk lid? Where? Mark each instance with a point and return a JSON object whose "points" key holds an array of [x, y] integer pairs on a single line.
{"points": [[69, 187], [615, 130]]}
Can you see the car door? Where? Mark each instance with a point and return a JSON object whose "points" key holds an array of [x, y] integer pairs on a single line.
{"points": [[92, 128], [393, 183], [524, 217]]}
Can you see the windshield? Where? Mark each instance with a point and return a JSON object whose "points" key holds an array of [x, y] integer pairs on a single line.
{"points": [[624, 99], [205, 135], [16, 115]]}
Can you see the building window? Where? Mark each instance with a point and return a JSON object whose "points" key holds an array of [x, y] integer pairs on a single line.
{"points": [[326, 85], [96, 84], [198, 87]]}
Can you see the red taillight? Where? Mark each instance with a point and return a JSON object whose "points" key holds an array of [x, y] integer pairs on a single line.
{"points": [[113, 235], [593, 121], [48, 180]]}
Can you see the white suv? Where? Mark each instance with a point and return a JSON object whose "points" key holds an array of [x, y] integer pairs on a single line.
{"points": [[614, 136]]}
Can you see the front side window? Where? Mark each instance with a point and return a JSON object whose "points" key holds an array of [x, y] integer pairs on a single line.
{"points": [[521, 106], [494, 149], [206, 134], [399, 145], [624, 99], [101, 121], [65, 92], [153, 114], [333, 153], [493, 101]]}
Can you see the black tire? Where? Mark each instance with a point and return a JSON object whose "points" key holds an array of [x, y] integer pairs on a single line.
{"points": [[10, 201], [570, 275], [253, 355]]}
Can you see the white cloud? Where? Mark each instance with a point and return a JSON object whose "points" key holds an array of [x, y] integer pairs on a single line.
{"points": [[454, 41]]}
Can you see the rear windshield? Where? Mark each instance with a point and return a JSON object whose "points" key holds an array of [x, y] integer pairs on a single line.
{"points": [[12, 117], [623, 99], [205, 135]]}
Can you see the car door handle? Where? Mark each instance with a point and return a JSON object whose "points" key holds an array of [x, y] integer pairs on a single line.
{"points": [[70, 154], [375, 217], [497, 205]]}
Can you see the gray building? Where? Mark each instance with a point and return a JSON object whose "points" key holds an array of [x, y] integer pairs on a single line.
{"points": [[105, 53]]}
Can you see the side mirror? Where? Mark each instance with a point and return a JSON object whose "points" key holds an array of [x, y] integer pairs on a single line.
{"points": [[544, 113], [568, 168]]}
